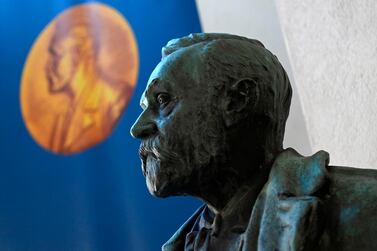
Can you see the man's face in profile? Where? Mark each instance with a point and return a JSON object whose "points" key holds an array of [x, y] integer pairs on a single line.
{"points": [[65, 54], [176, 125]]}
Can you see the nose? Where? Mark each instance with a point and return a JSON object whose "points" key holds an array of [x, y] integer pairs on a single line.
{"points": [[143, 127]]}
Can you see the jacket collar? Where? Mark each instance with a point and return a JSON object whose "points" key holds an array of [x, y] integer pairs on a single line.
{"points": [[295, 175], [286, 215], [177, 241]]}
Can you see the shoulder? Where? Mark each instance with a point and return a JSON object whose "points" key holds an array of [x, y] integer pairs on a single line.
{"points": [[347, 198], [352, 207], [353, 186]]}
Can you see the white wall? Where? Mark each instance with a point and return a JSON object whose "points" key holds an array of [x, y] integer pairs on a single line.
{"points": [[333, 50], [258, 19]]}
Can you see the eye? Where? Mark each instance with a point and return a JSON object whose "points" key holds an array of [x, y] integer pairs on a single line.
{"points": [[163, 99]]}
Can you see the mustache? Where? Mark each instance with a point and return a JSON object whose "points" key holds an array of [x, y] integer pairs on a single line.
{"points": [[155, 148]]}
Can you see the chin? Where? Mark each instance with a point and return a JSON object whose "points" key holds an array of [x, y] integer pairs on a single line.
{"points": [[157, 191], [161, 185], [160, 181], [156, 180]]}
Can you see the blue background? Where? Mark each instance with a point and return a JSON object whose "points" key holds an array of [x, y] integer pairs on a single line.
{"points": [[96, 200]]}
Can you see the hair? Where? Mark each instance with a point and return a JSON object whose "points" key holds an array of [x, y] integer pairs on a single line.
{"points": [[229, 58]]}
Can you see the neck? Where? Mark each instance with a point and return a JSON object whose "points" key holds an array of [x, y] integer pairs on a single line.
{"points": [[223, 194]]}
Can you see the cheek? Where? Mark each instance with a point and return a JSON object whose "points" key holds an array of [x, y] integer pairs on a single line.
{"points": [[185, 148], [188, 137]]}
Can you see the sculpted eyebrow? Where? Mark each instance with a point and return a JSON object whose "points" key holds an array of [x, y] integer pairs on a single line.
{"points": [[153, 85], [144, 98], [143, 103]]}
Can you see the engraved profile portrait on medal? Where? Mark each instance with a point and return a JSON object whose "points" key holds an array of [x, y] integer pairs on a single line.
{"points": [[78, 78]]}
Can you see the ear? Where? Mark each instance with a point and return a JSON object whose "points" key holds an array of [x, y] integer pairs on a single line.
{"points": [[240, 100]]}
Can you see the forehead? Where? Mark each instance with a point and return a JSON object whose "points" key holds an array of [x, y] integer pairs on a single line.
{"points": [[178, 71]]}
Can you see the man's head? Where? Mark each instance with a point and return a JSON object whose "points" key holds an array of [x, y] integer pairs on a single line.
{"points": [[214, 107], [90, 42], [70, 46]]}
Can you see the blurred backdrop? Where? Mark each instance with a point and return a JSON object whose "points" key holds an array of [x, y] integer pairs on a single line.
{"points": [[57, 194], [95, 199]]}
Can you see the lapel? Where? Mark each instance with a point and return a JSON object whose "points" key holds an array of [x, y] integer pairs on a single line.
{"points": [[288, 214], [177, 241]]}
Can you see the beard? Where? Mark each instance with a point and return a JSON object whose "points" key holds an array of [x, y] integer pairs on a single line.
{"points": [[174, 166], [162, 167]]}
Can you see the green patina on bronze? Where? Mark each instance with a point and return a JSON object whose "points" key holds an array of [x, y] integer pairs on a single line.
{"points": [[212, 126]]}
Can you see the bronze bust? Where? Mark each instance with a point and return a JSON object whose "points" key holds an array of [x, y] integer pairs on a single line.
{"points": [[212, 126]]}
